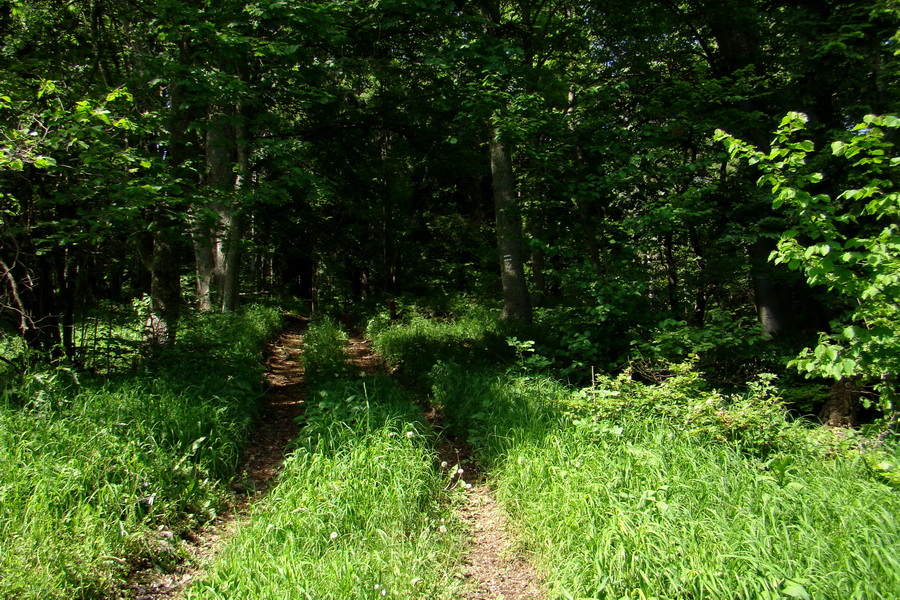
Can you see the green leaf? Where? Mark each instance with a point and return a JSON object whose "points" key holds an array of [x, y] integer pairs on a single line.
{"points": [[849, 365], [795, 590], [44, 162]]}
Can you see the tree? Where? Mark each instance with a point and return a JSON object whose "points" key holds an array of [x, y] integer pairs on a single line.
{"points": [[849, 243]]}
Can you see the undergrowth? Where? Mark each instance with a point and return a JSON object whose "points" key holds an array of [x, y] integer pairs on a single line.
{"points": [[100, 474], [624, 490], [360, 509]]}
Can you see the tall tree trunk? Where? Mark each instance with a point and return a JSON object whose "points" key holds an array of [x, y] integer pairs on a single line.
{"points": [[770, 302], [734, 25], [516, 301], [212, 225], [233, 220], [671, 275]]}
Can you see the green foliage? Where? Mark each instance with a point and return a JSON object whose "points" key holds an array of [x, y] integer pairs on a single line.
{"points": [[674, 491], [324, 357], [754, 421], [415, 345], [98, 474], [848, 242], [726, 346]]}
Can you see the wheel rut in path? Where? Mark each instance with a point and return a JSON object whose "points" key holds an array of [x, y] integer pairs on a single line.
{"points": [[492, 566], [494, 569], [275, 428]]}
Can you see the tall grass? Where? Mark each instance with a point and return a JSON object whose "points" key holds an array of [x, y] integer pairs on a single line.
{"points": [[359, 510], [323, 355], [418, 343], [97, 474], [675, 491]]}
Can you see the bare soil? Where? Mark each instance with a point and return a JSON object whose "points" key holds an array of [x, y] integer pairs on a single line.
{"points": [[275, 428], [494, 569]]}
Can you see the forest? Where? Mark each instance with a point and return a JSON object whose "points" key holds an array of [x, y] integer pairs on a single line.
{"points": [[637, 263]]}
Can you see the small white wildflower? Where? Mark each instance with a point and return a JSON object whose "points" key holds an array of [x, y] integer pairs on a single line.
{"points": [[460, 472], [410, 434], [377, 586], [468, 486], [442, 529], [384, 592], [444, 465], [334, 535]]}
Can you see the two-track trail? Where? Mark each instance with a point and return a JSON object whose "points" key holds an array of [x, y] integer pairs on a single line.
{"points": [[492, 569], [275, 428]]}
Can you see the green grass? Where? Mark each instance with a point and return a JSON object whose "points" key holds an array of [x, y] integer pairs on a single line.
{"points": [[93, 471], [360, 509], [418, 343], [675, 491], [323, 355]]}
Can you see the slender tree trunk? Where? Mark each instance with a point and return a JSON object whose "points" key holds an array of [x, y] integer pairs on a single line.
{"points": [[538, 275], [516, 300], [701, 291]]}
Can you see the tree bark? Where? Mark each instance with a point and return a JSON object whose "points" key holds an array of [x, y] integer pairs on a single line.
{"points": [[212, 226], [516, 300], [770, 303], [165, 284], [842, 406]]}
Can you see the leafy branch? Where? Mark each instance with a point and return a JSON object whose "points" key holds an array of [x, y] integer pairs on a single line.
{"points": [[849, 243]]}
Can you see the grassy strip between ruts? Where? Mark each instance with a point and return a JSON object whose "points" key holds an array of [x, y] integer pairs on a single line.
{"points": [[360, 509], [99, 473], [673, 491]]}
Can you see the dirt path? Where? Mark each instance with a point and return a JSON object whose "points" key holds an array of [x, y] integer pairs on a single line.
{"points": [[260, 465], [492, 567]]}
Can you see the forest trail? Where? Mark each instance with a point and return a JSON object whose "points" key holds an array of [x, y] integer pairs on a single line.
{"points": [[493, 570], [493, 567], [262, 460]]}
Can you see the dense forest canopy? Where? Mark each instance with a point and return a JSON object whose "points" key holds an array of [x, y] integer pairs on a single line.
{"points": [[557, 157]]}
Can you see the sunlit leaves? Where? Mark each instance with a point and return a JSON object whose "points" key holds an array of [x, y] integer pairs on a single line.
{"points": [[860, 263]]}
